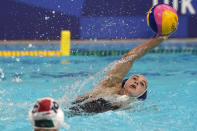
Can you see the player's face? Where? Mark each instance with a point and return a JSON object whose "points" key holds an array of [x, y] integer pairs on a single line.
{"points": [[135, 85]]}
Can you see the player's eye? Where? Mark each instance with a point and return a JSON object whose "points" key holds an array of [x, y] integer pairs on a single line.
{"points": [[142, 83], [135, 78]]}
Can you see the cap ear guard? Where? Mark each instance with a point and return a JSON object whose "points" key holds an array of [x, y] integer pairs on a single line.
{"points": [[143, 96], [46, 114], [123, 82]]}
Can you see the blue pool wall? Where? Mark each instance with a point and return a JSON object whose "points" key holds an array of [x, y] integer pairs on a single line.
{"points": [[87, 19]]}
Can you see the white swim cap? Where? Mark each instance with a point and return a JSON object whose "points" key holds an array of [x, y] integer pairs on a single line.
{"points": [[46, 114]]}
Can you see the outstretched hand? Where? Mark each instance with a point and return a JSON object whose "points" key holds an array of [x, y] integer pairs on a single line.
{"points": [[164, 37]]}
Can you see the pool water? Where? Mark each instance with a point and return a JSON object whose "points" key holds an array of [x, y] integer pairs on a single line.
{"points": [[171, 104]]}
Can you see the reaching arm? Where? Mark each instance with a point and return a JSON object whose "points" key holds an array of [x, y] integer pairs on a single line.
{"points": [[122, 67]]}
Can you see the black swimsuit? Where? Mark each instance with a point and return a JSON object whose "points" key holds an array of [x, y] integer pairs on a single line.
{"points": [[95, 106], [98, 105]]}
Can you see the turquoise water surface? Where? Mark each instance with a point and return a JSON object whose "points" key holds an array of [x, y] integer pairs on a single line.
{"points": [[171, 104]]}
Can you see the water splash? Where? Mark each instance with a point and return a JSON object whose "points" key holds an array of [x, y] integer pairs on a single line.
{"points": [[92, 82], [2, 75], [17, 80], [79, 86]]}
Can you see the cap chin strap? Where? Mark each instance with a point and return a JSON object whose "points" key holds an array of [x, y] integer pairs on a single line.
{"points": [[143, 96], [141, 93]]}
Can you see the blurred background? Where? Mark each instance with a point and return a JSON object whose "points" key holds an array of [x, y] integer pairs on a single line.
{"points": [[88, 19]]}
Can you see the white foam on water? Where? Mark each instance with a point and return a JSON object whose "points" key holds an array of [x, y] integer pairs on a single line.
{"points": [[2, 75]]}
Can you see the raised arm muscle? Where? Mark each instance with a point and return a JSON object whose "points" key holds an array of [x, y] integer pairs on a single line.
{"points": [[118, 71]]}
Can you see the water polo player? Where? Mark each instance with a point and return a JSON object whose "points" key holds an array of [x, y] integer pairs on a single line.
{"points": [[46, 115], [114, 92]]}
